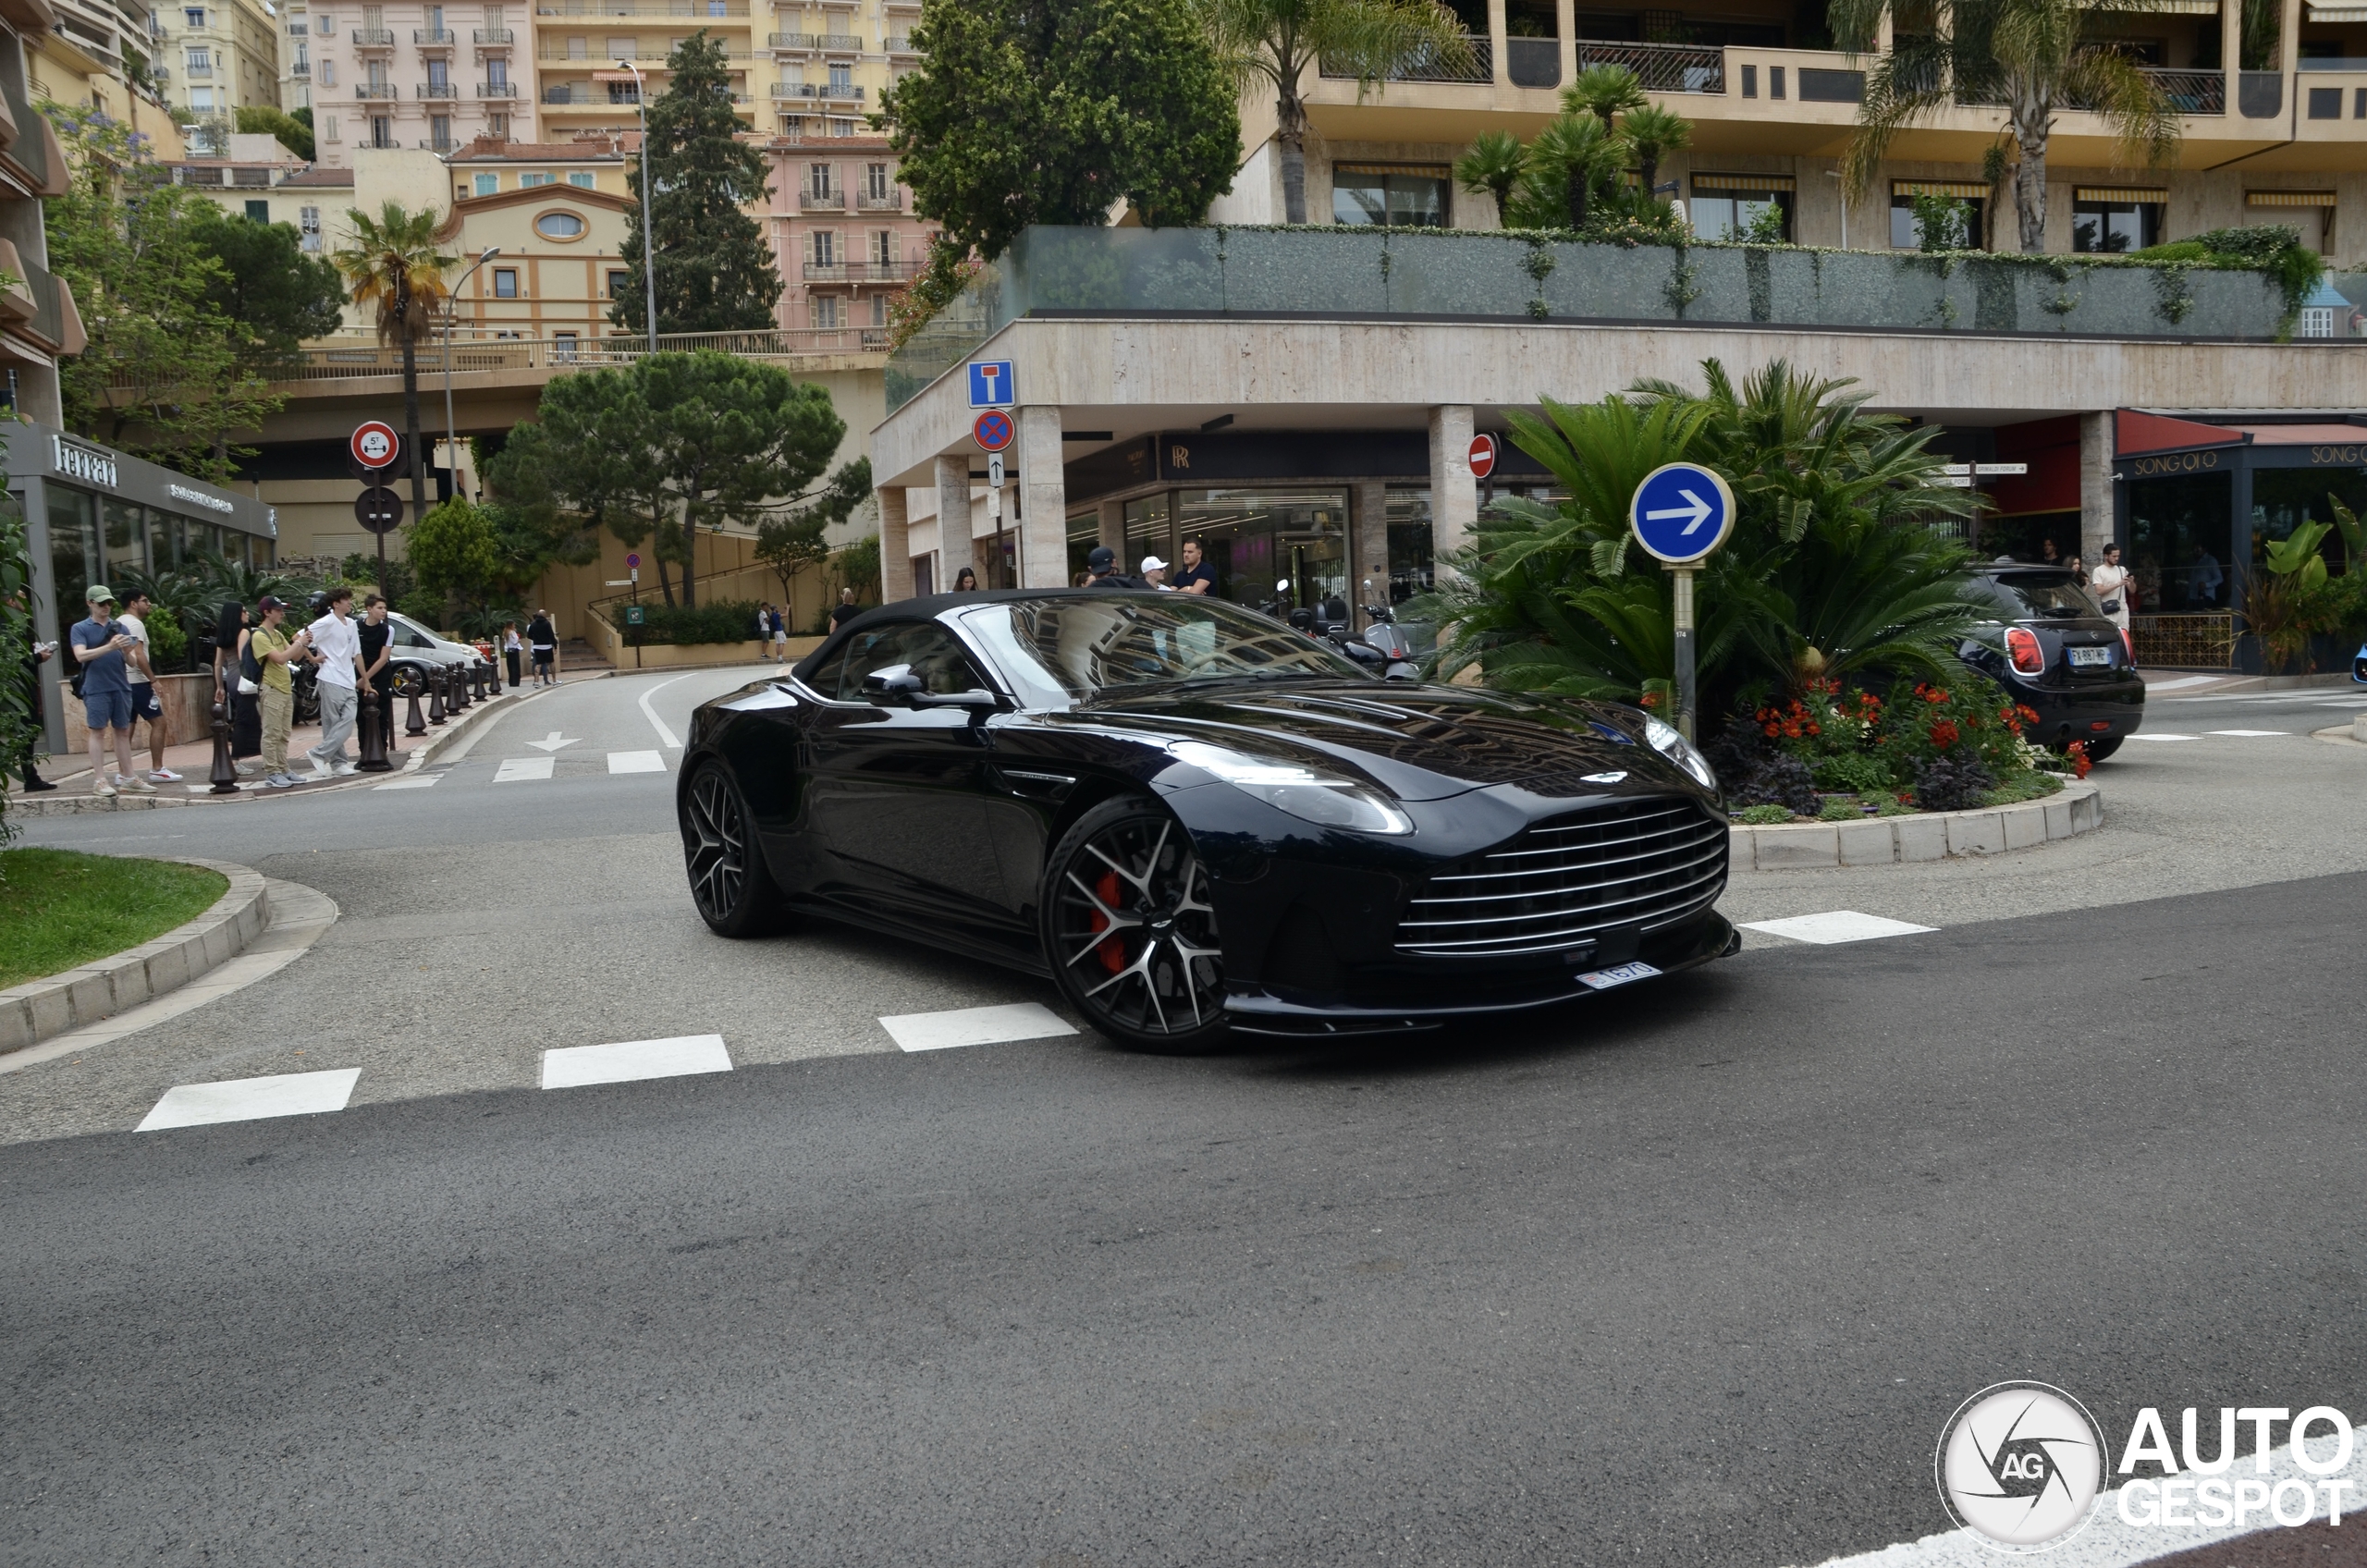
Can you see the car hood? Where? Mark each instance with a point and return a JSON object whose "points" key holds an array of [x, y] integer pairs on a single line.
{"points": [[1421, 742]]}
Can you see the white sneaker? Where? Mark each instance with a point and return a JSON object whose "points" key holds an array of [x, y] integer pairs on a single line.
{"points": [[343, 770], [102, 788], [282, 781], [247, 767], [321, 770], [135, 785], [164, 775]]}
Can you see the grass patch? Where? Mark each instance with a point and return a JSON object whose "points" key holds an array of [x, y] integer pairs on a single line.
{"points": [[60, 909], [2022, 787]]}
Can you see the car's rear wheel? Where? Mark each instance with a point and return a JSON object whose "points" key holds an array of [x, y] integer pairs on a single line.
{"points": [[2098, 750], [1129, 930], [734, 892]]}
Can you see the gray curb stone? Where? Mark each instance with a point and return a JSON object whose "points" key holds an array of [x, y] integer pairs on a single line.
{"points": [[1885, 840], [33, 1013]]}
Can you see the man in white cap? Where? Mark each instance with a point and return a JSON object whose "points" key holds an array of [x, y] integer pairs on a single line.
{"points": [[1154, 574], [100, 645]]}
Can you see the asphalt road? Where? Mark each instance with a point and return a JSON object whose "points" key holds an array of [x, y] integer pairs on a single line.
{"points": [[1691, 1275]]}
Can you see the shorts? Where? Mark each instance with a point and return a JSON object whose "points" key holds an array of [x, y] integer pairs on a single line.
{"points": [[107, 710], [144, 704], [781, 638], [541, 656]]}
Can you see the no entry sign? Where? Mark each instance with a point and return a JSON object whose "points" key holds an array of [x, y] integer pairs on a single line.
{"points": [[993, 430], [1483, 455], [376, 445]]}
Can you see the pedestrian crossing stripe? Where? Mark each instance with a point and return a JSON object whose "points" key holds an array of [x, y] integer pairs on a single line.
{"points": [[409, 781], [514, 768], [636, 761], [251, 1099]]}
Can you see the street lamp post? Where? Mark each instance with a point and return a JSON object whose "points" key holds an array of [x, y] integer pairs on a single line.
{"points": [[648, 195], [451, 427]]}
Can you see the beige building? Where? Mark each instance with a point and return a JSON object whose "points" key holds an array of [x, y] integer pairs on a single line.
{"points": [[212, 57], [295, 36], [586, 53], [418, 76], [38, 318], [844, 234], [558, 269], [104, 57]]}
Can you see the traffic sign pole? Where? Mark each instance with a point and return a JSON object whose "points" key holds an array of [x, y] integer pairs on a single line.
{"points": [[1683, 597], [1680, 514]]}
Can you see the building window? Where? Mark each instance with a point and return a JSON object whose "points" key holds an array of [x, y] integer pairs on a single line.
{"points": [[2116, 222], [259, 212], [563, 347], [329, 77], [559, 225], [195, 16], [1389, 195], [497, 72], [624, 92], [505, 283], [879, 309], [1966, 226], [817, 181], [825, 243], [841, 80], [439, 132], [309, 227], [1742, 207], [883, 248], [533, 178], [200, 62], [497, 127], [825, 309], [329, 124], [487, 184], [382, 132], [581, 178], [618, 280], [439, 75], [201, 99], [843, 127]]}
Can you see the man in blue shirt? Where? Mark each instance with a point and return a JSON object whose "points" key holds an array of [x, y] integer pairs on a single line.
{"points": [[99, 647]]}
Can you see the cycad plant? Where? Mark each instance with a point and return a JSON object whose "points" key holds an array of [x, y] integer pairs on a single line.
{"points": [[2030, 55], [1652, 133], [393, 266], [1493, 167], [1605, 92], [1279, 41]]}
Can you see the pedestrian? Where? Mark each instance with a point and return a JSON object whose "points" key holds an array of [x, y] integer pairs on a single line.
{"points": [[544, 643], [2078, 573], [847, 609], [1154, 574], [1196, 575], [1101, 571], [965, 580], [336, 652], [2047, 553], [36, 656], [144, 702], [378, 641], [512, 649], [273, 650], [780, 633], [237, 689], [764, 631], [2110, 584], [100, 647]]}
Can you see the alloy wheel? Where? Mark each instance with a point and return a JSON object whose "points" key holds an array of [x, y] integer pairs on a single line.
{"points": [[1133, 935], [714, 834]]}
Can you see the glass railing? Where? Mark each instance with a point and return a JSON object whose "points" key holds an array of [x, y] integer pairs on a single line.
{"points": [[30, 151]]}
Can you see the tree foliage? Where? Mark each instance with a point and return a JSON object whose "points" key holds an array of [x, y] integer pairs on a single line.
{"points": [[1053, 111], [394, 269], [274, 294], [1573, 175], [269, 119], [453, 549], [793, 542], [715, 270]]}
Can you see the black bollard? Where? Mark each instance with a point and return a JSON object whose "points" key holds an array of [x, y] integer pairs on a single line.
{"points": [[435, 714], [493, 674], [476, 683], [374, 737], [224, 775], [456, 692], [415, 722]]}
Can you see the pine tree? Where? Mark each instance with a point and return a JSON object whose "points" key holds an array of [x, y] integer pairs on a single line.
{"points": [[714, 272]]}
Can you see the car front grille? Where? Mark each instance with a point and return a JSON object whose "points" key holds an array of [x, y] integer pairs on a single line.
{"points": [[1640, 864]]}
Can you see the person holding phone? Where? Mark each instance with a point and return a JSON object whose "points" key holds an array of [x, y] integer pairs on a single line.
{"points": [[273, 650], [100, 645]]}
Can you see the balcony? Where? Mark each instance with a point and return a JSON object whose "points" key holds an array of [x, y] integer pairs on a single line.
{"points": [[834, 93], [438, 144], [2192, 93], [373, 38], [899, 43], [725, 8], [198, 73], [433, 37], [1533, 62], [1422, 66], [502, 90], [885, 202], [377, 91], [794, 43], [438, 92], [878, 271], [1662, 67], [839, 44], [297, 28], [301, 70], [821, 200], [492, 38], [380, 145], [826, 271]]}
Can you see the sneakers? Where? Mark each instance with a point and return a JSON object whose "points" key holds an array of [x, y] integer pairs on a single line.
{"points": [[282, 781], [247, 767], [101, 788], [164, 775], [343, 770], [135, 785]]}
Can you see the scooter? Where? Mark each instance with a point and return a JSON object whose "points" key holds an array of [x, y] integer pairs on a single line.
{"points": [[1387, 638]]}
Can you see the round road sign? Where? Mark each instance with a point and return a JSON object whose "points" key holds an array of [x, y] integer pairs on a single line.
{"points": [[1483, 455], [378, 509], [376, 444], [993, 430], [1681, 513], [634, 559]]}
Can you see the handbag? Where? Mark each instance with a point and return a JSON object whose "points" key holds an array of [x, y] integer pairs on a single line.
{"points": [[2112, 606]]}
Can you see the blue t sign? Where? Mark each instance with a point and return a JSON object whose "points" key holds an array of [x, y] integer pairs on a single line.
{"points": [[990, 385], [1681, 513]]}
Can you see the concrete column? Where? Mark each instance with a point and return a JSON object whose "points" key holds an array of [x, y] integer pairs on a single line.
{"points": [[1111, 530], [953, 509], [2289, 53], [1565, 27], [2095, 485], [1455, 495], [1367, 545], [1496, 40], [1044, 500], [2231, 50], [895, 546]]}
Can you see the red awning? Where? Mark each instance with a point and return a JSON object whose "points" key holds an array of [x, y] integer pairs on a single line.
{"points": [[2303, 434], [2136, 432]]}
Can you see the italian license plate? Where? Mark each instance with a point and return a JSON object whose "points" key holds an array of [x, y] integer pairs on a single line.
{"points": [[1603, 979], [2082, 659]]}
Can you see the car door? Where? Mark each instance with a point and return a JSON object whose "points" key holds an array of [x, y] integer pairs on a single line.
{"points": [[896, 792]]}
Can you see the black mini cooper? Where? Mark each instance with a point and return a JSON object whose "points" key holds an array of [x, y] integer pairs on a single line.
{"points": [[2048, 643]]}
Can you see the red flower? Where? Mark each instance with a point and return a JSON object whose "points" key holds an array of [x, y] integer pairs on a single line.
{"points": [[1943, 735]]}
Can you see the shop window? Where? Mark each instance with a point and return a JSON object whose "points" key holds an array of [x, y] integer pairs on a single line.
{"points": [[1390, 196], [73, 545], [2179, 532], [1286, 549], [1738, 207], [2114, 225], [2285, 498], [163, 540]]}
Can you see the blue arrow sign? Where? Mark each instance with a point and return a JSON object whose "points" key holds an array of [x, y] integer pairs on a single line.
{"points": [[1681, 513]]}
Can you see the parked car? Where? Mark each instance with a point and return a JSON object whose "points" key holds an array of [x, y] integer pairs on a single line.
{"points": [[417, 650], [1196, 819], [2050, 647]]}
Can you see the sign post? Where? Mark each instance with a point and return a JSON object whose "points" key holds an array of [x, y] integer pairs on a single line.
{"points": [[374, 447], [633, 616], [1681, 513]]}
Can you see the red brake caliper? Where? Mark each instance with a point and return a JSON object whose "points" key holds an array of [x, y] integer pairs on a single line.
{"points": [[1113, 951]]}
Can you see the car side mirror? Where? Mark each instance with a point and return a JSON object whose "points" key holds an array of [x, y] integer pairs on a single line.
{"points": [[895, 686], [977, 697]]}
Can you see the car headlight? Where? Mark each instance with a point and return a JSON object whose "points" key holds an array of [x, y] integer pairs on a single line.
{"points": [[1680, 751], [1317, 797]]}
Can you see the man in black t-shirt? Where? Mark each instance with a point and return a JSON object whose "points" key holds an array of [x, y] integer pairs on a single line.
{"points": [[847, 609], [1196, 575], [377, 655]]}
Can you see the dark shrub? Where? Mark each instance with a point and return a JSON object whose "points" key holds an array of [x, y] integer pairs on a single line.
{"points": [[1755, 774], [1954, 782]]}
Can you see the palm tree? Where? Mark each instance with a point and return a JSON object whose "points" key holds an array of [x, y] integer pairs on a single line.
{"points": [[1277, 40], [392, 265], [1652, 133], [1572, 156], [1493, 167], [1604, 91], [2029, 55]]}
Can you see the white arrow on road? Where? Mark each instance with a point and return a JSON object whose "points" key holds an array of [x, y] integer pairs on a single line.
{"points": [[553, 741], [1698, 511]]}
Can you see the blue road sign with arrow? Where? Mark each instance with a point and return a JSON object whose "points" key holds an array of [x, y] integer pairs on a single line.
{"points": [[1681, 513]]}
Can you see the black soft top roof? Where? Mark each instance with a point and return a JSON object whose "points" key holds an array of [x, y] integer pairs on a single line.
{"points": [[929, 607]]}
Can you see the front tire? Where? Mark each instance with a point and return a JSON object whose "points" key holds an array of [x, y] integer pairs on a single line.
{"points": [[1129, 931], [734, 892]]}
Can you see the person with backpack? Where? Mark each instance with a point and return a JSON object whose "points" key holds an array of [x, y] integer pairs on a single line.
{"points": [[273, 650], [102, 681]]}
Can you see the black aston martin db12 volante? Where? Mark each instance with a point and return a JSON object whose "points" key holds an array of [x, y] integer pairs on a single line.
{"points": [[1196, 818]]}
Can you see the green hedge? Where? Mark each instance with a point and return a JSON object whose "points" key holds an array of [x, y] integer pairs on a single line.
{"points": [[732, 620]]}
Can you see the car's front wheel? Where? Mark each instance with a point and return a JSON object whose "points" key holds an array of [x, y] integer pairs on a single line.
{"points": [[734, 892], [1130, 932]]}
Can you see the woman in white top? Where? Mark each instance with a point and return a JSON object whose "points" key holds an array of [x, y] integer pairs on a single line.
{"points": [[2109, 582]]}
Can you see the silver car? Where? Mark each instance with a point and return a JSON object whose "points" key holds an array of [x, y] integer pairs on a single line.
{"points": [[416, 650]]}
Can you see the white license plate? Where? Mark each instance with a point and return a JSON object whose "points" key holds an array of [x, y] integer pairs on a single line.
{"points": [[1603, 979], [2082, 658]]}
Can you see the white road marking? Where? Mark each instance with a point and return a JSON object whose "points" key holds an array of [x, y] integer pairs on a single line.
{"points": [[514, 768], [553, 741], [249, 1099], [575, 1066], [649, 713], [409, 781], [636, 761], [2250, 731], [1835, 925], [975, 1026], [2153, 686], [2160, 735]]}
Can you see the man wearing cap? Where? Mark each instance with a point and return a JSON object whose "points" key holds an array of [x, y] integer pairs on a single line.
{"points": [[99, 647], [1101, 570], [274, 649], [1154, 574]]}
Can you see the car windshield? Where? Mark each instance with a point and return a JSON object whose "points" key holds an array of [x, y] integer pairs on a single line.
{"points": [[1071, 648], [2055, 596]]}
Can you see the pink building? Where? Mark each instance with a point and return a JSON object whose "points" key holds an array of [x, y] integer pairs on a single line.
{"points": [[843, 231]]}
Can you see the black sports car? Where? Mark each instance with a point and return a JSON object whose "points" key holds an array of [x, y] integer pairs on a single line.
{"points": [[2048, 643], [1194, 818]]}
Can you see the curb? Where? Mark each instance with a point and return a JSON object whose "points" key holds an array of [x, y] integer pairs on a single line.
{"points": [[2351, 734], [31, 1012], [1888, 840]]}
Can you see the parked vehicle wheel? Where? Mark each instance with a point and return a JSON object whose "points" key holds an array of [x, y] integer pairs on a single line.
{"points": [[1129, 930], [410, 680], [734, 892]]}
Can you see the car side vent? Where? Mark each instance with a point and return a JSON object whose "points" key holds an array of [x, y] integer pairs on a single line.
{"points": [[1638, 864]]}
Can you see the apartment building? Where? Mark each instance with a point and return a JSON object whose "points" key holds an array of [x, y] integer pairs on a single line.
{"points": [[295, 56], [423, 77], [213, 56], [38, 320], [587, 54], [843, 232], [488, 166], [1773, 103]]}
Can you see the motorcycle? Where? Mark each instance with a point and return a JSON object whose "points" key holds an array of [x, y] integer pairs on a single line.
{"points": [[1389, 640]]}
